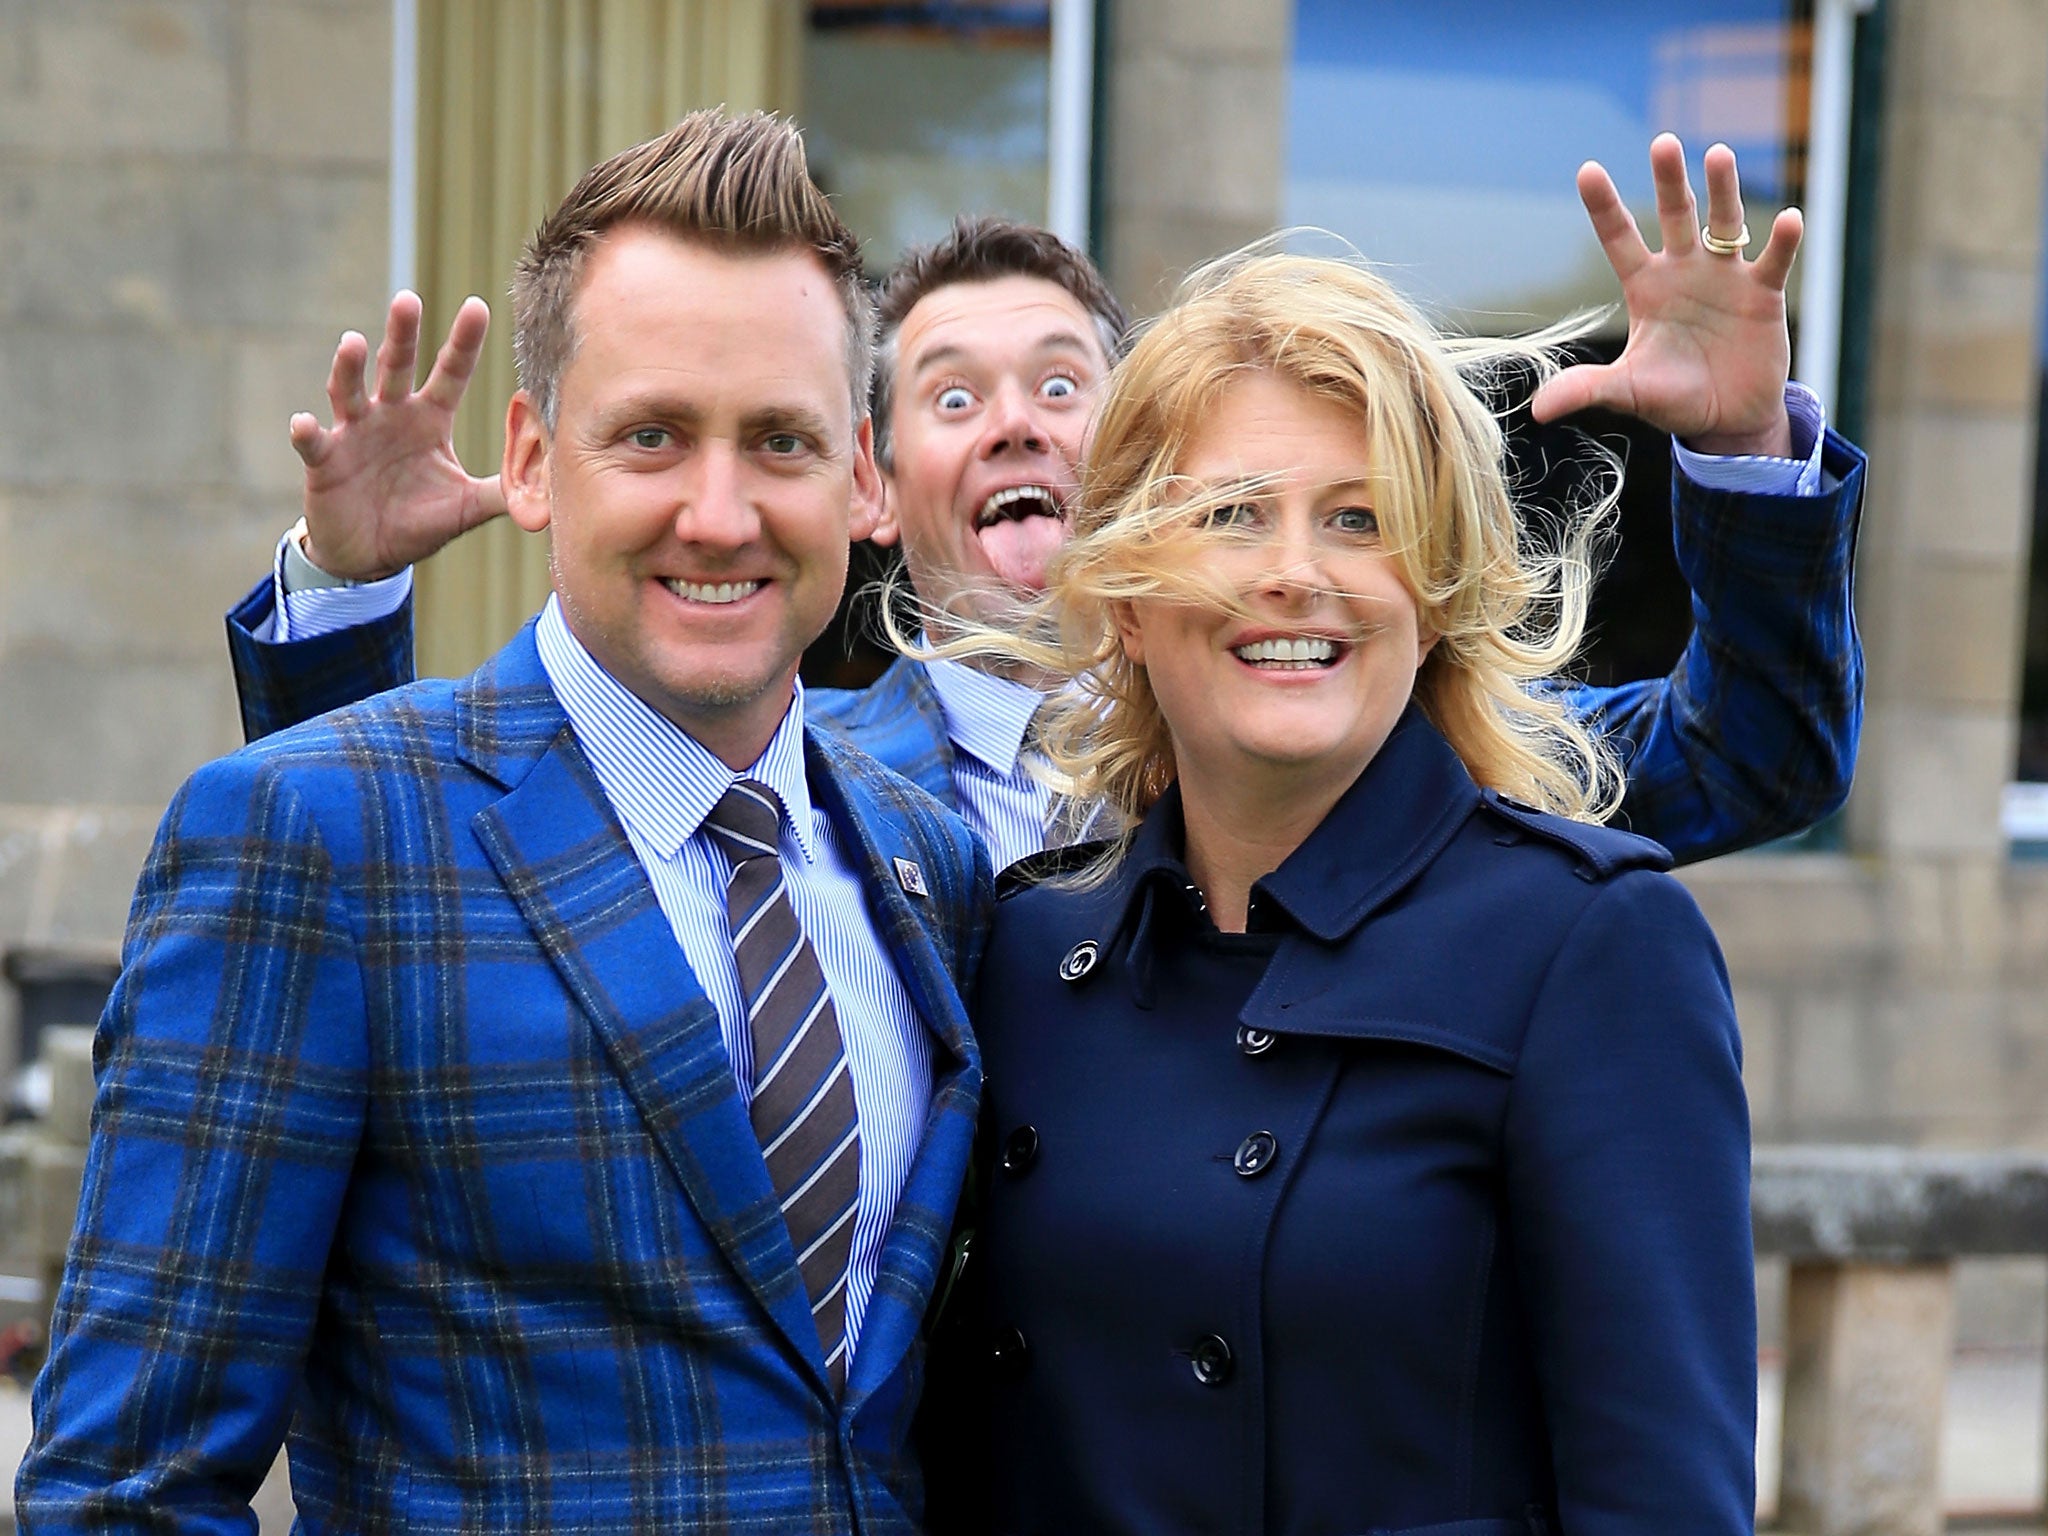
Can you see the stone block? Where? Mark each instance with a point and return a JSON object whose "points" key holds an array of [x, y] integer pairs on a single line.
{"points": [[1945, 1054], [1149, 253], [306, 250], [1803, 918], [1987, 51], [1956, 334], [85, 731], [56, 1170], [116, 574], [91, 856], [1198, 138], [1866, 1372], [1200, 29], [1936, 779], [1761, 1014], [194, 246], [320, 82], [1956, 639], [1834, 1081], [1979, 173], [1962, 482], [155, 76], [110, 409], [67, 1049]]}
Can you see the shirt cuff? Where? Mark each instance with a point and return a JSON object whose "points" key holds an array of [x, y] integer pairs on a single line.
{"points": [[323, 610], [1764, 474]]}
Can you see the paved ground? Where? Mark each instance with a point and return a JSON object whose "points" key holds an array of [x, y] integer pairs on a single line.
{"points": [[1992, 1461]]}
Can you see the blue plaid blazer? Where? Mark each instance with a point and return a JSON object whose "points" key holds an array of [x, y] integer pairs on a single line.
{"points": [[1751, 737], [416, 1134]]}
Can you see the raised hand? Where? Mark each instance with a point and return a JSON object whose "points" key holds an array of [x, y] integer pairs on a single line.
{"points": [[1708, 351], [384, 487]]}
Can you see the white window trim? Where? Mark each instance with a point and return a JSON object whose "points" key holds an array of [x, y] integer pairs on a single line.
{"points": [[1819, 364], [1070, 126]]}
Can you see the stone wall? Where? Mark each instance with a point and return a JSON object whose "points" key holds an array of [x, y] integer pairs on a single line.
{"points": [[193, 204]]}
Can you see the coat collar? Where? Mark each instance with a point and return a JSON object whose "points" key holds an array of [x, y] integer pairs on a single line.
{"points": [[1396, 817]]}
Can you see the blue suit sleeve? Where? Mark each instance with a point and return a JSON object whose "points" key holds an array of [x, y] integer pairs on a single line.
{"points": [[232, 1071], [281, 683], [1627, 1149], [1753, 735]]}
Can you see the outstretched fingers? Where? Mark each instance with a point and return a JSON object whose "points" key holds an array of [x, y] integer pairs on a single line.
{"points": [[1678, 218], [399, 354], [456, 362], [345, 393], [1612, 222], [310, 441], [1774, 266], [1724, 194]]}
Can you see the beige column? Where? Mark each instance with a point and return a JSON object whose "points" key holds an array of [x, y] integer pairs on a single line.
{"points": [[1866, 1373], [1196, 135], [1944, 550]]}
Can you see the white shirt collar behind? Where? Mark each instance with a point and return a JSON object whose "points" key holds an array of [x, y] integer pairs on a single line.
{"points": [[660, 780], [985, 715]]}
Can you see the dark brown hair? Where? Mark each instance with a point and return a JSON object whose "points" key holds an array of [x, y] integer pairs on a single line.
{"points": [[739, 183], [981, 250]]}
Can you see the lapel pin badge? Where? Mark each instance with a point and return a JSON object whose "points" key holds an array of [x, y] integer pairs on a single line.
{"points": [[911, 878]]}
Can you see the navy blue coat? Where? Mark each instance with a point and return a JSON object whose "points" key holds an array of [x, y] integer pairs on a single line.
{"points": [[1421, 1207]]}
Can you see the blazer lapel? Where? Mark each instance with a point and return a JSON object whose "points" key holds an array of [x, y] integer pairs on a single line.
{"points": [[916, 1241], [566, 864]]}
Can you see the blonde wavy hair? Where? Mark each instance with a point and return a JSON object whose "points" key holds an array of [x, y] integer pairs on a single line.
{"points": [[1505, 596]]}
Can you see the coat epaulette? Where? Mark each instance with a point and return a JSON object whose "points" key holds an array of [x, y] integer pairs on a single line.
{"points": [[1602, 851], [1037, 868]]}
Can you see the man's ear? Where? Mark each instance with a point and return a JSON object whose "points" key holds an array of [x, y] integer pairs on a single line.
{"points": [[1125, 618], [865, 512], [888, 530], [525, 472]]}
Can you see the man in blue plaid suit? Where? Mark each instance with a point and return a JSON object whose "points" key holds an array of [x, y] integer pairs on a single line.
{"points": [[423, 1124], [991, 342]]}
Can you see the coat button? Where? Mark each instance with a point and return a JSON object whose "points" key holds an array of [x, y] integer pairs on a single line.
{"points": [[1009, 1354], [1080, 960], [1020, 1151], [1211, 1361], [1255, 1154], [1255, 1042]]}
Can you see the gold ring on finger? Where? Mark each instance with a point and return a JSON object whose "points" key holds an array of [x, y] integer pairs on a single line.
{"points": [[1720, 247]]}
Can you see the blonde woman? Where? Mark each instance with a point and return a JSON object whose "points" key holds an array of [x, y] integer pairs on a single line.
{"points": [[1368, 1143]]}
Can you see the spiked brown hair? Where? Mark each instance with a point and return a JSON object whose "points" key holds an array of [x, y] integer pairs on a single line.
{"points": [[738, 183]]}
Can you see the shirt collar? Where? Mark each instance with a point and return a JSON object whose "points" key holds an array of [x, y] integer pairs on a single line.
{"points": [[660, 780], [986, 715]]}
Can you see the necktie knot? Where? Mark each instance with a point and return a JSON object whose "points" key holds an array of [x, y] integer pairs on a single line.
{"points": [[747, 821]]}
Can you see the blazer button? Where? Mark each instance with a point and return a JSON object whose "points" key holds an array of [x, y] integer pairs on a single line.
{"points": [[1255, 1042], [1080, 960], [1008, 1353], [1255, 1154], [1211, 1360], [1020, 1151]]}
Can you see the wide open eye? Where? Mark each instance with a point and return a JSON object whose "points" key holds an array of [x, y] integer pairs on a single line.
{"points": [[1059, 386], [954, 398]]}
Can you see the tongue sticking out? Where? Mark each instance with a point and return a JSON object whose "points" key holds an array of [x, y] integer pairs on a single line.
{"points": [[1018, 548]]}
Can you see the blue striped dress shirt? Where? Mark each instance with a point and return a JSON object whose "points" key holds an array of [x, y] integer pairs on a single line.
{"points": [[663, 784], [987, 717]]}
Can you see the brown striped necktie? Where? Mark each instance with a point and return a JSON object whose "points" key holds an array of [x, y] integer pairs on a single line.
{"points": [[803, 1109]]}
